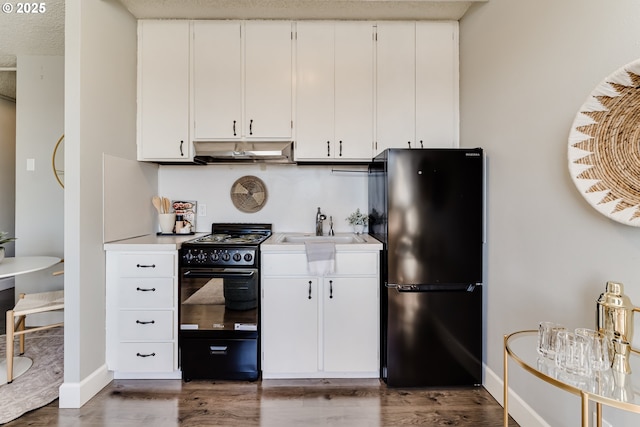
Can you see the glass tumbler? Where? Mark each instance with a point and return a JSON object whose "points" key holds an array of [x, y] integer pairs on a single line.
{"points": [[572, 353], [598, 349], [547, 336]]}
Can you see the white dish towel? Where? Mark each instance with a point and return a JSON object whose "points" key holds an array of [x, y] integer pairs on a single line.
{"points": [[321, 258]]}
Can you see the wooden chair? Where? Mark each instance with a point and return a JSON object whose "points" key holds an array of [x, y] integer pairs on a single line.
{"points": [[39, 302]]}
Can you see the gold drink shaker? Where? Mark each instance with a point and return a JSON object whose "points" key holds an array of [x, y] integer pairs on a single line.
{"points": [[615, 312]]}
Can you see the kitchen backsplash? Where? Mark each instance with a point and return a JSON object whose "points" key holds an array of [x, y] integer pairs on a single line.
{"points": [[294, 193]]}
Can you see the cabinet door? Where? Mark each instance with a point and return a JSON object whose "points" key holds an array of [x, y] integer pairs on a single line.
{"points": [[268, 79], [395, 84], [217, 80], [314, 90], [351, 324], [289, 325], [163, 90], [437, 102], [353, 91]]}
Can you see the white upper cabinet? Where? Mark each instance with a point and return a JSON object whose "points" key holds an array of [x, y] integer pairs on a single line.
{"points": [[437, 77], [268, 79], [417, 85], [163, 91], [242, 80], [334, 91], [395, 85], [217, 80], [359, 87]]}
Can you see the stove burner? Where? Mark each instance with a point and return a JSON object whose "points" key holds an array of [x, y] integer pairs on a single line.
{"points": [[232, 239]]}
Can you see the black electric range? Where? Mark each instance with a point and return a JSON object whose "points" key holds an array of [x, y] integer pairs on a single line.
{"points": [[219, 303]]}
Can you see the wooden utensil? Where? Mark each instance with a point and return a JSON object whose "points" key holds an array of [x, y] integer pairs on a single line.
{"points": [[166, 204], [157, 203]]}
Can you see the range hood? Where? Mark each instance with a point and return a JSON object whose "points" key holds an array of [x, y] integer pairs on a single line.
{"points": [[243, 151]]}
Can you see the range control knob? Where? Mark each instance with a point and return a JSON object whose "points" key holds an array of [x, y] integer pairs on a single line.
{"points": [[201, 257], [215, 257], [248, 257], [188, 256], [226, 256], [237, 257]]}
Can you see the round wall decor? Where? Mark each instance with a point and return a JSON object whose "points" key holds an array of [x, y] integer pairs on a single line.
{"points": [[604, 146], [249, 194]]}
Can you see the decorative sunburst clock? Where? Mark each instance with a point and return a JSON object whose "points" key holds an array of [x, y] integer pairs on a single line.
{"points": [[604, 146], [249, 194]]}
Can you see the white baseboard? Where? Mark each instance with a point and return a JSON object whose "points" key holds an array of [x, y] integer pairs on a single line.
{"points": [[519, 410], [74, 395]]}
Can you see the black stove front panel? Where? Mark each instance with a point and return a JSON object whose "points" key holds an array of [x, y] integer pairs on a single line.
{"points": [[218, 256]]}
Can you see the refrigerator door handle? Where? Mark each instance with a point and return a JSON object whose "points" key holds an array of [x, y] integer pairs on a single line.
{"points": [[456, 287]]}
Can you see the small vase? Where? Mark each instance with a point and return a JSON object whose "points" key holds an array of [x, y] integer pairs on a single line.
{"points": [[1, 253], [358, 228]]}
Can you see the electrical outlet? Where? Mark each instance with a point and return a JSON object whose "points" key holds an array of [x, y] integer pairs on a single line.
{"points": [[202, 210]]}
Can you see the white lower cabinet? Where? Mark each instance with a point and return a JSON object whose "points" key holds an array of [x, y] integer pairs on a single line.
{"points": [[320, 327], [142, 331]]}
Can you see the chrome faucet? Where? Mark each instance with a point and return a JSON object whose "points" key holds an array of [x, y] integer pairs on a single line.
{"points": [[319, 218]]}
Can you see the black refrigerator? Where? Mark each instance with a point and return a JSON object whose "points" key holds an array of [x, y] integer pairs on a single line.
{"points": [[426, 206]]}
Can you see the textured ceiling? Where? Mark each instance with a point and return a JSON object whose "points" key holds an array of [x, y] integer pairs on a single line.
{"points": [[43, 33], [299, 9], [28, 34]]}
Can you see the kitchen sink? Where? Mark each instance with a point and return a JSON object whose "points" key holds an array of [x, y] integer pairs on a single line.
{"points": [[302, 238]]}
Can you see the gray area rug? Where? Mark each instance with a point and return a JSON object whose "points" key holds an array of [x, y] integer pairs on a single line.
{"points": [[39, 385]]}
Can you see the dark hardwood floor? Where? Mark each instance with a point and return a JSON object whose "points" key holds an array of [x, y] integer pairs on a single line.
{"points": [[276, 403]]}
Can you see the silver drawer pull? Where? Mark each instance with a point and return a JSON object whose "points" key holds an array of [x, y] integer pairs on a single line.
{"points": [[145, 355], [145, 289], [218, 349], [142, 322], [145, 266]]}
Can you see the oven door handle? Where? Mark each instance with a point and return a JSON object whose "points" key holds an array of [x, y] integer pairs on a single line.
{"points": [[214, 273]]}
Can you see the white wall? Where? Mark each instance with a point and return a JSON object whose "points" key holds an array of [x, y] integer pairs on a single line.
{"points": [[100, 101], [39, 205], [7, 177], [526, 69], [294, 193]]}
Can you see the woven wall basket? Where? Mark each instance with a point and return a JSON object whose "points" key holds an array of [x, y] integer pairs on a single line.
{"points": [[604, 146]]}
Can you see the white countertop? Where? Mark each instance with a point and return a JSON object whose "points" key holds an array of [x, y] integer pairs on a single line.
{"points": [[277, 243], [151, 242]]}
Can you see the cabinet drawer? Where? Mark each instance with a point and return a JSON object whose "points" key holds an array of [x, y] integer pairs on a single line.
{"points": [[146, 357], [146, 293], [295, 264], [145, 325], [147, 265]]}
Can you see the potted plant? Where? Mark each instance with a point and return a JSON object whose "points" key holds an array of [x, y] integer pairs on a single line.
{"points": [[358, 221], [4, 239]]}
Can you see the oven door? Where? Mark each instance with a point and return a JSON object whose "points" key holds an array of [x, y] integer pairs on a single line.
{"points": [[219, 299]]}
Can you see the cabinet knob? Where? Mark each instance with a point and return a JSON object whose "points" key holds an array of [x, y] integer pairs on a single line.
{"points": [[181, 152], [409, 142]]}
